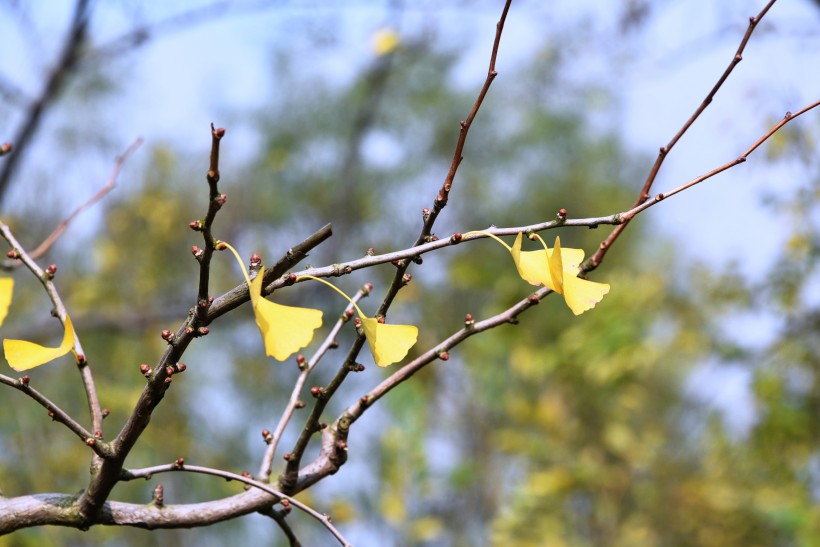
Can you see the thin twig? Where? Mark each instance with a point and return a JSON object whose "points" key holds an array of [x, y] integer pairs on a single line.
{"points": [[66, 62], [147, 472], [294, 401], [102, 192], [57, 414], [60, 312], [664, 150]]}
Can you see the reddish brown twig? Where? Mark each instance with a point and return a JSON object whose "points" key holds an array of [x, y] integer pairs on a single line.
{"points": [[664, 150], [102, 192]]}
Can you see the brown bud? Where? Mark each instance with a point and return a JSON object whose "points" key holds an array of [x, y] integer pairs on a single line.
{"points": [[90, 441], [533, 299], [105, 413], [287, 458], [98, 434], [13, 254], [169, 370], [145, 369], [181, 367], [456, 237], [25, 380], [562, 214], [406, 278], [300, 404], [371, 251], [5, 148], [179, 463], [168, 336], [256, 260], [203, 331], [443, 355], [51, 271], [168, 379], [266, 435], [196, 225]]}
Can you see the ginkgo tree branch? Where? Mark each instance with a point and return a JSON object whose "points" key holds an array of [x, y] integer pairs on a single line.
{"points": [[56, 413], [46, 279], [295, 401], [643, 196], [180, 466]]}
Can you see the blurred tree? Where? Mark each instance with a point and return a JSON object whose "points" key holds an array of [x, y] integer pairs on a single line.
{"points": [[560, 430]]}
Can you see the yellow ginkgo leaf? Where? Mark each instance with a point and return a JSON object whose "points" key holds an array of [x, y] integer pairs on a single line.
{"points": [[556, 270], [388, 343], [580, 294], [23, 355], [285, 329], [6, 291]]}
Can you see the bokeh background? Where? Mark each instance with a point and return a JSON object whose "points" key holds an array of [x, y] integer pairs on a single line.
{"points": [[681, 411]]}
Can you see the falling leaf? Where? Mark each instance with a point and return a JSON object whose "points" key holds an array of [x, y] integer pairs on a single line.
{"points": [[23, 355]]}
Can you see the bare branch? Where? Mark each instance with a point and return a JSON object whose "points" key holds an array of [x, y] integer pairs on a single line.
{"points": [[182, 467], [664, 151], [65, 64]]}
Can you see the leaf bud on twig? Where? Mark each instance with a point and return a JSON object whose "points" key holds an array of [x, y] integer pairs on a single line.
{"points": [[51, 271]]}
